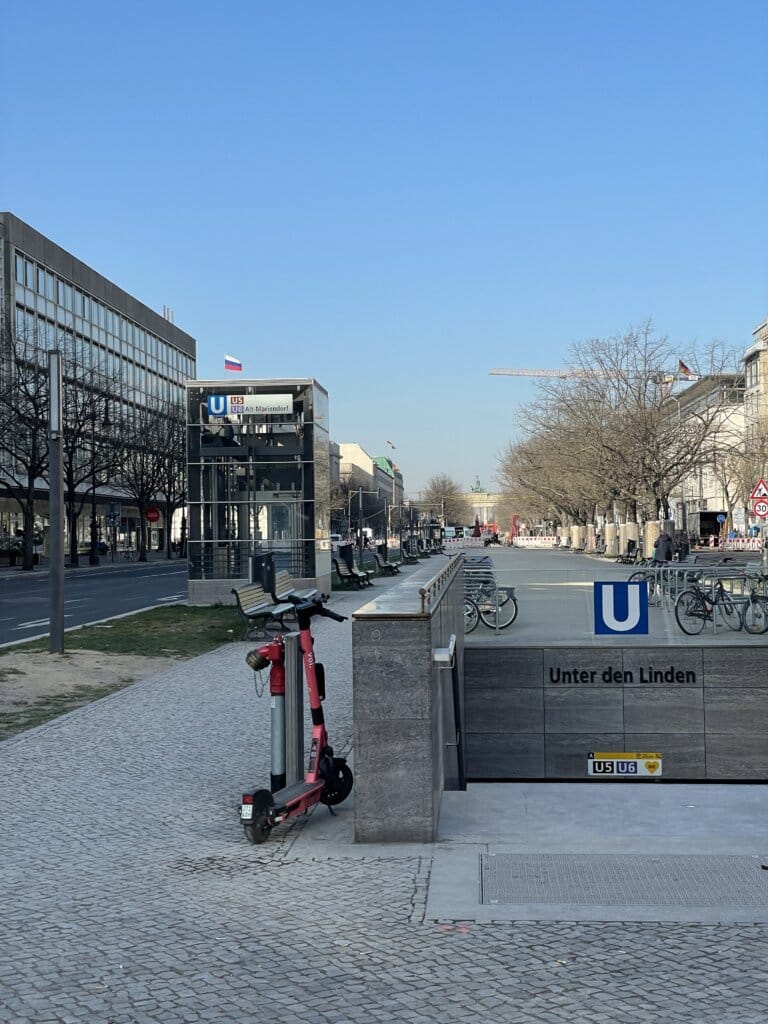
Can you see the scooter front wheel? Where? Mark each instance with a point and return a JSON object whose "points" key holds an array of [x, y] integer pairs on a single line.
{"points": [[257, 830], [339, 785]]}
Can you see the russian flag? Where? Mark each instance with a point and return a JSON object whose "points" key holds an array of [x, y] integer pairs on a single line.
{"points": [[230, 363]]}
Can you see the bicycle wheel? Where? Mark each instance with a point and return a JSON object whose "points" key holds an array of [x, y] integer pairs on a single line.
{"points": [[502, 617], [755, 614], [471, 615], [654, 594], [690, 612], [729, 611]]}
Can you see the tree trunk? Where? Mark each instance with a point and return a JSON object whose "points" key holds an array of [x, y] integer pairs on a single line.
{"points": [[72, 517], [142, 536], [28, 554], [167, 513]]}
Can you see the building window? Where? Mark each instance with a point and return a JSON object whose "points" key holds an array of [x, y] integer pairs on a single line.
{"points": [[752, 370]]}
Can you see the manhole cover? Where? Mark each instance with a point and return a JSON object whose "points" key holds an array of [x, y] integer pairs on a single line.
{"points": [[623, 880]]}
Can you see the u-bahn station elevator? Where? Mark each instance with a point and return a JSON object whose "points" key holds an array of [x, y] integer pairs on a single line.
{"points": [[259, 480]]}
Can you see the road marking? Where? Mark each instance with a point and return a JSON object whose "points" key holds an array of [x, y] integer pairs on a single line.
{"points": [[172, 597], [29, 625]]}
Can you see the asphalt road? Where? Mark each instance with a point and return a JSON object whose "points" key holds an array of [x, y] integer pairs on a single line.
{"points": [[90, 595]]}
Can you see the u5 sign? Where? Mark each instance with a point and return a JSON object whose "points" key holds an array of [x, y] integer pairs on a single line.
{"points": [[621, 608]]}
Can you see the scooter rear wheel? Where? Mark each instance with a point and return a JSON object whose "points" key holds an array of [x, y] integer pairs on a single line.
{"points": [[338, 787], [257, 830]]}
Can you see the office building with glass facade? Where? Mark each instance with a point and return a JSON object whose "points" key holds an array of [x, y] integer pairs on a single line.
{"points": [[259, 480], [52, 298]]}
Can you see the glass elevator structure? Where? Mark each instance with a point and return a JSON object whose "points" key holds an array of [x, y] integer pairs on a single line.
{"points": [[259, 480]]}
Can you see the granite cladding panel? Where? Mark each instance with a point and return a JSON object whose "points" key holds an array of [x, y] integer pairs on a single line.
{"points": [[505, 756], [393, 782], [387, 657], [494, 708], [736, 711], [736, 666], [672, 709], [747, 759], [682, 754], [511, 666], [583, 709]]}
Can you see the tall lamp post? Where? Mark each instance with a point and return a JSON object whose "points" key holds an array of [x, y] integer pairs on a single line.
{"points": [[93, 558]]}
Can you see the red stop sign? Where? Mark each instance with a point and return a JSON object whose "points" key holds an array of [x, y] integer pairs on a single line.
{"points": [[153, 515]]}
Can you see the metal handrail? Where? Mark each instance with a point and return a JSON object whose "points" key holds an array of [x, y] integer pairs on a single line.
{"points": [[439, 582]]}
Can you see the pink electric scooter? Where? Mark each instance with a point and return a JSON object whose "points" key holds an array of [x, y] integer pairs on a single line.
{"points": [[328, 779]]}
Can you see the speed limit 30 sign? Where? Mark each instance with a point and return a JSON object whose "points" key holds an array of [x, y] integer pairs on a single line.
{"points": [[760, 508]]}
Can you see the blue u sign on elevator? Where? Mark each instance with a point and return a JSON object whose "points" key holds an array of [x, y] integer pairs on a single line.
{"points": [[217, 405], [621, 608]]}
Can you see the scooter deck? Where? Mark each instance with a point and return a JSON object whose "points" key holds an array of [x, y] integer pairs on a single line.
{"points": [[296, 793]]}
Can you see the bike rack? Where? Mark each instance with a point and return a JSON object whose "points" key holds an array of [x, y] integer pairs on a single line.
{"points": [[476, 574]]}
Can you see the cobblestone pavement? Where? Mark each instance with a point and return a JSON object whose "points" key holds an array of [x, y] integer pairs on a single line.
{"points": [[130, 894]]}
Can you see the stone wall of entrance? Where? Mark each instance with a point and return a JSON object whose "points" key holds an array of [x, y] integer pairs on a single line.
{"points": [[535, 713]]}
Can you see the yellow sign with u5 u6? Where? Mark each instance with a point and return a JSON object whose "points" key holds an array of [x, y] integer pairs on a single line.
{"points": [[624, 765]]}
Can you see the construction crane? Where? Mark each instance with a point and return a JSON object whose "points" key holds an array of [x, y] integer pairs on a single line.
{"points": [[505, 371], [660, 377]]}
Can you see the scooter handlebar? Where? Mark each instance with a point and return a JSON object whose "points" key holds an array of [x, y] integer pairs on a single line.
{"points": [[332, 615]]}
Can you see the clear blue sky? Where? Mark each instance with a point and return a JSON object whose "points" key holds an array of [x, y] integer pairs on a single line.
{"points": [[396, 197]]}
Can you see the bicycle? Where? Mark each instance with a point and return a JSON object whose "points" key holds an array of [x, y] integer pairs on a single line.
{"points": [[694, 607], [648, 576], [471, 615], [754, 614], [496, 606]]}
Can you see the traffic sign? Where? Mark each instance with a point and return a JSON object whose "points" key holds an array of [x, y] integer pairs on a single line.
{"points": [[760, 508], [721, 518], [153, 515], [760, 490]]}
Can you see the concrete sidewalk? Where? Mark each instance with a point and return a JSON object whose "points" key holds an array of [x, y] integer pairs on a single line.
{"points": [[130, 895]]}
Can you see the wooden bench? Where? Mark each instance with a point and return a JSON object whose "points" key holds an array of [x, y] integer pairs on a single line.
{"points": [[408, 558], [285, 590], [386, 568], [345, 574], [351, 577], [257, 608]]}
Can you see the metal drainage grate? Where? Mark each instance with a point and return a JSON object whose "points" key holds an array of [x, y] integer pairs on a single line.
{"points": [[623, 880]]}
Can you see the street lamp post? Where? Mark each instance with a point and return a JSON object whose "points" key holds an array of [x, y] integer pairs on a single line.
{"points": [[93, 558]]}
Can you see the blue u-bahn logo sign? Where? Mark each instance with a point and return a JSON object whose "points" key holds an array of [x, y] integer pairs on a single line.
{"points": [[621, 608], [217, 405]]}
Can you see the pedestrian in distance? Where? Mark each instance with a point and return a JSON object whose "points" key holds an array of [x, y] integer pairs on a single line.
{"points": [[662, 547]]}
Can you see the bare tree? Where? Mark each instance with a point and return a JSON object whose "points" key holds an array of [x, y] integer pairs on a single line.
{"points": [[444, 495], [172, 486], [139, 437], [611, 431], [89, 454], [24, 402]]}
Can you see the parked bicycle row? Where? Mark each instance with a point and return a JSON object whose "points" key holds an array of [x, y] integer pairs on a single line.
{"points": [[736, 596], [484, 600]]}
